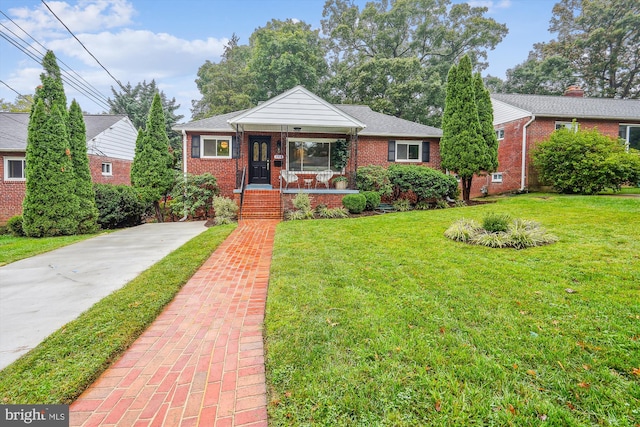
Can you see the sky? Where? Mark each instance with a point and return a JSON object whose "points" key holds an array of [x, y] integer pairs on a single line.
{"points": [[168, 40]]}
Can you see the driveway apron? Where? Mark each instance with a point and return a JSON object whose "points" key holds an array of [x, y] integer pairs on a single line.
{"points": [[39, 295], [201, 362]]}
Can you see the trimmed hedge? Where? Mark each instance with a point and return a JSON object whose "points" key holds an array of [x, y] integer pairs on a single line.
{"points": [[14, 226], [355, 203], [119, 206], [373, 200], [426, 183]]}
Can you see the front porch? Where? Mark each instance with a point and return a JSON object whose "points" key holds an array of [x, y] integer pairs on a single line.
{"points": [[266, 202]]}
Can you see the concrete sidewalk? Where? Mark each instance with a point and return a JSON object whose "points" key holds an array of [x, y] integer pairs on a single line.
{"points": [[41, 294]]}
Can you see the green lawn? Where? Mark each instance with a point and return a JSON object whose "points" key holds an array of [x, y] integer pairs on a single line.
{"points": [[384, 321], [16, 248], [69, 360]]}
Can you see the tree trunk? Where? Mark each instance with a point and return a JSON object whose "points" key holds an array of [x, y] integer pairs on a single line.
{"points": [[466, 188], [156, 206]]}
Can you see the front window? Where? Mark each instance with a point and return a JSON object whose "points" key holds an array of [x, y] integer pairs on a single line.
{"points": [[309, 155], [14, 169], [568, 125], [107, 169], [408, 151], [216, 148], [631, 135], [496, 177]]}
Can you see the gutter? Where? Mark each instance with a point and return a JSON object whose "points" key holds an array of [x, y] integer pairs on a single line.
{"points": [[184, 165], [524, 152]]}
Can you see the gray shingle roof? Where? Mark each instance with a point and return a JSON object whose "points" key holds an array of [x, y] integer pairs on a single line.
{"points": [[14, 128], [574, 107], [378, 124]]}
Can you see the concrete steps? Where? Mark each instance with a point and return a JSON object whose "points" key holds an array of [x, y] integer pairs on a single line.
{"points": [[261, 204]]}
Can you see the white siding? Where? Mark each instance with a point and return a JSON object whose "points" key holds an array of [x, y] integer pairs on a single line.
{"points": [[118, 141], [504, 113]]}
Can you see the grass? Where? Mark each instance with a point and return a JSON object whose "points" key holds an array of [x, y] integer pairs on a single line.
{"points": [[384, 321], [69, 360], [17, 248]]}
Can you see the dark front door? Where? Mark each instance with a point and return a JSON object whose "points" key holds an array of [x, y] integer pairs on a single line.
{"points": [[259, 159]]}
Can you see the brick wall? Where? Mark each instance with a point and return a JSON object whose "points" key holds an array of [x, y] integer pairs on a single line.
{"points": [[12, 192]]}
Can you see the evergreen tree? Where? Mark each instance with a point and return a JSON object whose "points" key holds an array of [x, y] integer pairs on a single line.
{"points": [[462, 147], [51, 91], [151, 173], [50, 204], [87, 214], [485, 117]]}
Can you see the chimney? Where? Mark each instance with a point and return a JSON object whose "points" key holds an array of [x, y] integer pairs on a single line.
{"points": [[574, 91]]}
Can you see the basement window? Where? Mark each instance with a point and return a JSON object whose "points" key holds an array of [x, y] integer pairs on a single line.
{"points": [[496, 177], [500, 134], [107, 169]]}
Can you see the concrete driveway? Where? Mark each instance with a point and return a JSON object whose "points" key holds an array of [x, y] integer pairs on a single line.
{"points": [[41, 294]]}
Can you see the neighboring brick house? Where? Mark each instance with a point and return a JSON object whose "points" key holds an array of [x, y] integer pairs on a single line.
{"points": [[247, 151], [111, 141], [521, 121]]}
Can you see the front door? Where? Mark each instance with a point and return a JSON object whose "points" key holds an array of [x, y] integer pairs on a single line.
{"points": [[259, 160]]}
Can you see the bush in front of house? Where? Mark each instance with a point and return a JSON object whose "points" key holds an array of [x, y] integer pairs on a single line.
{"points": [[226, 210], [373, 200], [426, 183], [302, 205], [585, 162], [118, 205], [354, 203], [14, 226], [193, 195], [374, 178]]}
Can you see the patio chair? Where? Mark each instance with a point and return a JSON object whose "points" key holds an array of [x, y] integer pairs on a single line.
{"points": [[324, 177], [289, 177]]}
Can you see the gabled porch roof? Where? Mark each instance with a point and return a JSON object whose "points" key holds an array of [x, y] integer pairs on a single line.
{"points": [[297, 109]]}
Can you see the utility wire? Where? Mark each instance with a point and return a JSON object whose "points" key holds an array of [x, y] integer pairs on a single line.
{"points": [[84, 47], [86, 83], [19, 94]]}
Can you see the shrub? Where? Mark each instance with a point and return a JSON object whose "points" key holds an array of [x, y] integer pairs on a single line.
{"points": [[426, 183], [302, 203], [194, 195], [354, 203], [118, 206], [585, 162], [441, 204], [422, 206], [494, 222], [226, 210], [325, 212], [14, 226], [374, 178], [373, 200], [463, 230], [402, 205], [519, 234]]}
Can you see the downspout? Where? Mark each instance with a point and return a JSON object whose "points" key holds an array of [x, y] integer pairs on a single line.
{"points": [[524, 152], [184, 165]]}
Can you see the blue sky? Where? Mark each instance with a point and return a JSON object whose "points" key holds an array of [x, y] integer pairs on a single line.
{"points": [[167, 40]]}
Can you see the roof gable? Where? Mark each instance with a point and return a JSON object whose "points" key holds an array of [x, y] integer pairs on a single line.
{"points": [[296, 107], [573, 107]]}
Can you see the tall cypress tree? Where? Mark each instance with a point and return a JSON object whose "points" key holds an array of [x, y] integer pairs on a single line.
{"points": [[485, 117], [462, 147], [151, 172], [87, 214], [51, 91], [50, 203]]}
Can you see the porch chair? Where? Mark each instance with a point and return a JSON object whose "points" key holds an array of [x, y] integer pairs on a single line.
{"points": [[289, 177], [324, 177]]}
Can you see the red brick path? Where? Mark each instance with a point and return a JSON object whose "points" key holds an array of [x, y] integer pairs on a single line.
{"points": [[201, 362]]}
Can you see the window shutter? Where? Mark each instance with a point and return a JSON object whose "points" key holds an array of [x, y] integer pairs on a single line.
{"points": [[235, 148], [392, 151], [195, 146], [426, 151]]}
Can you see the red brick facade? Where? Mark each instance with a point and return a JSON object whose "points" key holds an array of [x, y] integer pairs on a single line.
{"points": [[12, 192], [510, 152]]}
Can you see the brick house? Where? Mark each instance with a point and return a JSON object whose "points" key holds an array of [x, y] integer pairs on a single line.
{"points": [[111, 141], [255, 154], [521, 121]]}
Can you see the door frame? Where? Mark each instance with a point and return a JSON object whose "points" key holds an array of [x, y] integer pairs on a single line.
{"points": [[260, 139]]}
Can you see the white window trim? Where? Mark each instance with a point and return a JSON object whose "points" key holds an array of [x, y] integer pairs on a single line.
{"points": [[6, 168], [498, 132], [559, 124], [418, 143], [110, 167], [626, 137], [496, 177], [297, 139], [204, 138]]}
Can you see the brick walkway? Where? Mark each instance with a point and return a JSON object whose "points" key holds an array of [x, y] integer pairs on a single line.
{"points": [[201, 362]]}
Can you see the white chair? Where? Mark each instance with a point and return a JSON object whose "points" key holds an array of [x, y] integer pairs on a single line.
{"points": [[324, 177], [289, 177]]}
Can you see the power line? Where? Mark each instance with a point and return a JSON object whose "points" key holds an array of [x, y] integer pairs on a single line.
{"points": [[84, 47], [85, 82], [19, 94]]}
